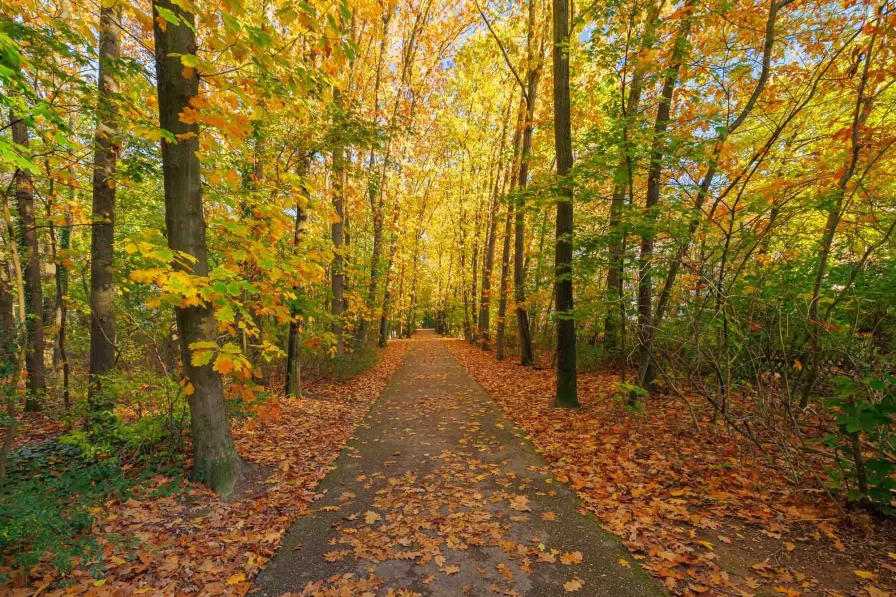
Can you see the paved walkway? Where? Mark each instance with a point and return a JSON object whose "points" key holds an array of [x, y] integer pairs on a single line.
{"points": [[439, 494]]}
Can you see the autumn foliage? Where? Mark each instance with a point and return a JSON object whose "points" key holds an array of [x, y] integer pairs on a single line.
{"points": [[218, 214]]}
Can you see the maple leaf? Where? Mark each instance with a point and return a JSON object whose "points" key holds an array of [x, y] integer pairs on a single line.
{"points": [[573, 585], [571, 558], [520, 503], [371, 517]]}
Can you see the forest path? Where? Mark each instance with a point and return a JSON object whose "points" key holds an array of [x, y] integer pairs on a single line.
{"points": [[440, 494]]}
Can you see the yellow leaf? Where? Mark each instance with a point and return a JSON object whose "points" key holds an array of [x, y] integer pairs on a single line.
{"points": [[236, 578], [189, 390], [865, 574], [372, 517], [624, 563]]}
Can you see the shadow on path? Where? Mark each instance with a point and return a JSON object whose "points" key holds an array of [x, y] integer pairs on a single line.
{"points": [[439, 494]]}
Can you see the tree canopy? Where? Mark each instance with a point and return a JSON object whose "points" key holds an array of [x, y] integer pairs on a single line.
{"points": [[206, 201]]}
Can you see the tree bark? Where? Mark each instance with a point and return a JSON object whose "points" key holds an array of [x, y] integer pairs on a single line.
{"points": [[519, 272], [9, 362], [387, 294], [293, 385], [566, 328], [477, 226], [102, 238], [36, 383], [14, 345], [647, 367], [621, 184], [489, 264], [337, 235], [215, 461], [60, 317], [500, 341]]}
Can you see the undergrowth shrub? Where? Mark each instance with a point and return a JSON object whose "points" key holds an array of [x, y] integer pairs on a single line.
{"points": [[46, 502]]}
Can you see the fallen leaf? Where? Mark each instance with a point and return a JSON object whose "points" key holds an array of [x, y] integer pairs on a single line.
{"points": [[571, 558], [573, 585]]}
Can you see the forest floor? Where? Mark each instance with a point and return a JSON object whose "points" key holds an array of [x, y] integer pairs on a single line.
{"points": [[700, 508], [442, 494], [166, 541], [439, 495]]}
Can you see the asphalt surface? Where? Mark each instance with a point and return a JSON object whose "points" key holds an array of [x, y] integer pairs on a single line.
{"points": [[439, 494]]}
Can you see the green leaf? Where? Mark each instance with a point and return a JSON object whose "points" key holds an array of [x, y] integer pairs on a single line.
{"points": [[168, 15]]}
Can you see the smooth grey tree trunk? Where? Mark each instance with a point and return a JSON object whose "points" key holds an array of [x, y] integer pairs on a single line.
{"points": [[102, 238], [215, 461]]}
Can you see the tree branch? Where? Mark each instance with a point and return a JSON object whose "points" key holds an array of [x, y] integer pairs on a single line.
{"points": [[503, 51]]}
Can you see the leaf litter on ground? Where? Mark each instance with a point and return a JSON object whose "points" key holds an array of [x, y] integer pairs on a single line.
{"points": [[699, 509]]}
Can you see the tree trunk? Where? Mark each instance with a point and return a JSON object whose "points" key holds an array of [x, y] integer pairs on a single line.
{"points": [[102, 292], [293, 385], [566, 326], [36, 383], [519, 272], [387, 294], [622, 183], [489, 263], [500, 342], [500, 339], [337, 234], [215, 461], [60, 317], [477, 226], [13, 344], [374, 188], [647, 366], [9, 362]]}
